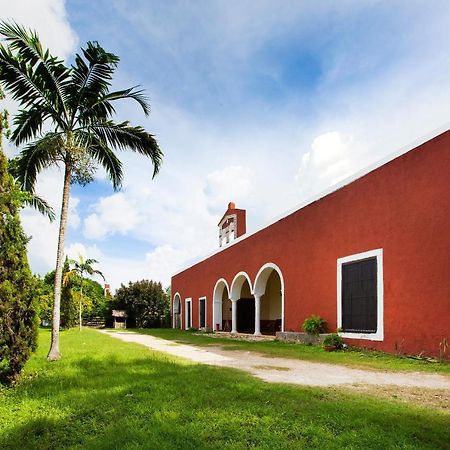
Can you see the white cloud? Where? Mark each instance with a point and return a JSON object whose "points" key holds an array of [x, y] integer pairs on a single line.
{"points": [[48, 18], [232, 183], [331, 159], [113, 214]]}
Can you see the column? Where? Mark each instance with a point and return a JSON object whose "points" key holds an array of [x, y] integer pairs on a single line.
{"points": [[257, 315], [233, 316]]}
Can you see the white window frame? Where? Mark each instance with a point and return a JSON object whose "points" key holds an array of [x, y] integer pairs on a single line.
{"points": [[186, 301], [206, 309], [379, 335]]}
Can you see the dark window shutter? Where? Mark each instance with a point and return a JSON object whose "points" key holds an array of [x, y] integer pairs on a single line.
{"points": [[359, 296], [202, 313]]}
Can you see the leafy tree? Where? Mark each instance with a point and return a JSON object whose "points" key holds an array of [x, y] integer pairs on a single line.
{"points": [[145, 301], [82, 267], [75, 103], [18, 317]]}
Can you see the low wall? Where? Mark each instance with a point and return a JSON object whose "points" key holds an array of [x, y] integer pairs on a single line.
{"points": [[300, 338]]}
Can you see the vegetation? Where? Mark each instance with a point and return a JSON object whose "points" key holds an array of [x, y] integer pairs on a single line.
{"points": [[94, 302], [18, 316], [76, 105], [111, 394], [335, 340], [314, 325], [80, 268], [352, 356], [146, 303]]}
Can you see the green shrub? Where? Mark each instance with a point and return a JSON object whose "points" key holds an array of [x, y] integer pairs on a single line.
{"points": [[314, 325], [18, 312], [334, 339]]}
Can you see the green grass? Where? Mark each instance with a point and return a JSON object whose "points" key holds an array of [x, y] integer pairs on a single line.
{"points": [[351, 357], [105, 394]]}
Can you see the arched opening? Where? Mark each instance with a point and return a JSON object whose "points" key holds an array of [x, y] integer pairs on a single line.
{"points": [[269, 286], [221, 306], [241, 291], [176, 311]]}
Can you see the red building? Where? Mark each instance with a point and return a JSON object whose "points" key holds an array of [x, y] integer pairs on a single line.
{"points": [[372, 257]]}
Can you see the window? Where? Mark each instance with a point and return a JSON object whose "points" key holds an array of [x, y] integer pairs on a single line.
{"points": [[360, 295], [202, 312], [188, 313]]}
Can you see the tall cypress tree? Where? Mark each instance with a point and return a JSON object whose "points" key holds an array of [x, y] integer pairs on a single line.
{"points": [[18, 318]]}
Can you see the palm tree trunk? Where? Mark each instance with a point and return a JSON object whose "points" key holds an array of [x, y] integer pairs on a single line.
{"points": [[81, 298], [54, 353]]}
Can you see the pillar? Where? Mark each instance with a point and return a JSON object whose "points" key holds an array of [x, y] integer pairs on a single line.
{"points": [[233, 316], [257, 315]]}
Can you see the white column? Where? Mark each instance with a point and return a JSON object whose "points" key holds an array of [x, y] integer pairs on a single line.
{"points": [[233, 316], [257, 315]]}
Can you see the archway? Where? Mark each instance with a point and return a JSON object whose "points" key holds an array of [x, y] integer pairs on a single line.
{"points": [[176, 311], [269, 286], [221, 306], [241, 292]]}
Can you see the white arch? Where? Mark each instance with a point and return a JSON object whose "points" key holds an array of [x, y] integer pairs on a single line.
{"points": [[237, 284], [261, 283], [220, 285], [177, 296]]}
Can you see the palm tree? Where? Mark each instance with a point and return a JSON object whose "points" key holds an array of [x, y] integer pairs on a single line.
{"points": [[76, 106], [80, 268]]}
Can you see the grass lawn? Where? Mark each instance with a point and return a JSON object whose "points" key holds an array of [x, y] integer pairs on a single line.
{"points": [[105, 393], [351, 357]]}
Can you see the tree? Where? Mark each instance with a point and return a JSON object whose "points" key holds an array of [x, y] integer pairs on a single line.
{"points": [[145, 301], [80, 268], [18, 317], [76, 105]]}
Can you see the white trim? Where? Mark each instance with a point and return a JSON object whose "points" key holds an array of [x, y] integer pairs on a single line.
{"points": [[206, 316], [237, 284], [370, 168], [258, 290], [379, 335], [214, 301], [186, 301], [177, 294]]}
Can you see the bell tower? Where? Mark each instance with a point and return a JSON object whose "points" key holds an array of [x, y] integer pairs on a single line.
{"points": [[232, 225]]}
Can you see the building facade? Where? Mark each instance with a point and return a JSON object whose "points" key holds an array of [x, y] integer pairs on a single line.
{"points": [[372, 257]]}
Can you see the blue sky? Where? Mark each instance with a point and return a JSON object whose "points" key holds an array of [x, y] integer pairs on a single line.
{"points": [[265, 103]]}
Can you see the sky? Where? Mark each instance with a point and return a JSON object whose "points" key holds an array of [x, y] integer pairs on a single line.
{"points": [[260, 102]]}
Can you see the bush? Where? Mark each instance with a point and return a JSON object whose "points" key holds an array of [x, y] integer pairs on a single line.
{"points": [[334, 339], [146, 302], [18, 314], [314, 325]]}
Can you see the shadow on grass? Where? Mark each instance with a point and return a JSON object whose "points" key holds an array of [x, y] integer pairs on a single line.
{"points": [[124, 396]]}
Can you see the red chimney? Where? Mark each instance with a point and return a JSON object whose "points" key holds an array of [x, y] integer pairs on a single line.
{"points": [[232, 225]]}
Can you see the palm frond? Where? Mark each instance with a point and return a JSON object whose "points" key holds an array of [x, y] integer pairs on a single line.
{"points": [[25, 86], [35, 157], [100, 152], [28, 124], [131, 93], [91, 76], [49, 68], [123, 136], [41, 205]]}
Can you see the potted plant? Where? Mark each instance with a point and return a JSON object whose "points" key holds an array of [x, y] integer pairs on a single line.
{"points": [[333, 342]]}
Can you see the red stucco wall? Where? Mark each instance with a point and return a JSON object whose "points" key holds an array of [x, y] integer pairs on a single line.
{"points": [[402, 207]]}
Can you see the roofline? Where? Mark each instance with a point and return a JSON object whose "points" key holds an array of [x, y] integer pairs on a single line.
{"points": [[356, 176]]}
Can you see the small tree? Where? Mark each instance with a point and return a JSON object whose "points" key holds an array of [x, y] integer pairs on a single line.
{"points": [[18, 318], [145, 301], [82, 267]]}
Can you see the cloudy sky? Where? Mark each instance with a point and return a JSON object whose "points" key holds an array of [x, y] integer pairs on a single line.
{"points": [[262, 102]]}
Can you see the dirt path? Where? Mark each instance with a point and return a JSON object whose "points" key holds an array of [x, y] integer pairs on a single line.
{"points": [[282, 370]]}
